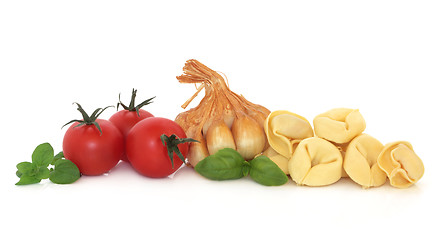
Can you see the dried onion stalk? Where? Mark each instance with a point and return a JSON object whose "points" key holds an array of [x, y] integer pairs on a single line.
{"points": [[222, 118]]}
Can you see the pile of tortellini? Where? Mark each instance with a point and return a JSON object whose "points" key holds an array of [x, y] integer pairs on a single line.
{"points": [[337, 147]]}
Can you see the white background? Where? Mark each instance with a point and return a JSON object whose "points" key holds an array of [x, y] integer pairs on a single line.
{"points": [[382, 57]]}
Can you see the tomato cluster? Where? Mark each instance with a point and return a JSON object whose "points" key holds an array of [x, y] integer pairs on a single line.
{"points": [[132, 134]]}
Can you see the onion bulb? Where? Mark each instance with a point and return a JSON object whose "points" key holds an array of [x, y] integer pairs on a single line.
{"points": [[249, 137], [223, 119], [219, 137], [198, 150]]}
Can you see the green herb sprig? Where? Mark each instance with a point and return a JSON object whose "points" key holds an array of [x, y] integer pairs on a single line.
{"points": [[63, 172], [228, 164]]}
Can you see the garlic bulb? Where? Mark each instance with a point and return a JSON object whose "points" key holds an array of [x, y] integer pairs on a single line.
{"points": [[223, 119]]}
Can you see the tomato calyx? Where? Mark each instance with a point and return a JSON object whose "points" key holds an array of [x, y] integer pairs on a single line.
{"points": [[88, 120], [132, 104], [171, 143]]}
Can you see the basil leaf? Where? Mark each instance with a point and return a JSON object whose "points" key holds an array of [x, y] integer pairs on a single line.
{"points": [[57, 157], [226, 164], [26, 179], [43, 154], [266, 172], [64, 172]]}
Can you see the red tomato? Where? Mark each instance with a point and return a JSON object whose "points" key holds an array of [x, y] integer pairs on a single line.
{"points": [[124, 120], [92, 152], [146, 152]]}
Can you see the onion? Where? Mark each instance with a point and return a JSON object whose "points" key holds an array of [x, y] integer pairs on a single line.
{"points": [[198, 150], [222, 119], [249, 137], [219, 137]]}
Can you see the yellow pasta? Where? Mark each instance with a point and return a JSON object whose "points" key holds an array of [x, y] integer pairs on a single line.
{"points": [[360, 161], [285, 130], [401, 164], [315, 162], [339, 125]]}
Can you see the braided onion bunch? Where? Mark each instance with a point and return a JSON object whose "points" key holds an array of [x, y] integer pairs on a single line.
{"points": [[223, 119]]}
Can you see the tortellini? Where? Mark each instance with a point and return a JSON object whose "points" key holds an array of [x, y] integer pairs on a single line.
{"points": [[342, 149], [285, 130], [337, 147], [401, 164], [360, 161], [339, 125], [315, 162]]}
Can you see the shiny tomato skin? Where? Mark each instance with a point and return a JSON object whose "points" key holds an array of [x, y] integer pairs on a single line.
{"points": [[124, 120], [94, 154], [145, 150]]}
